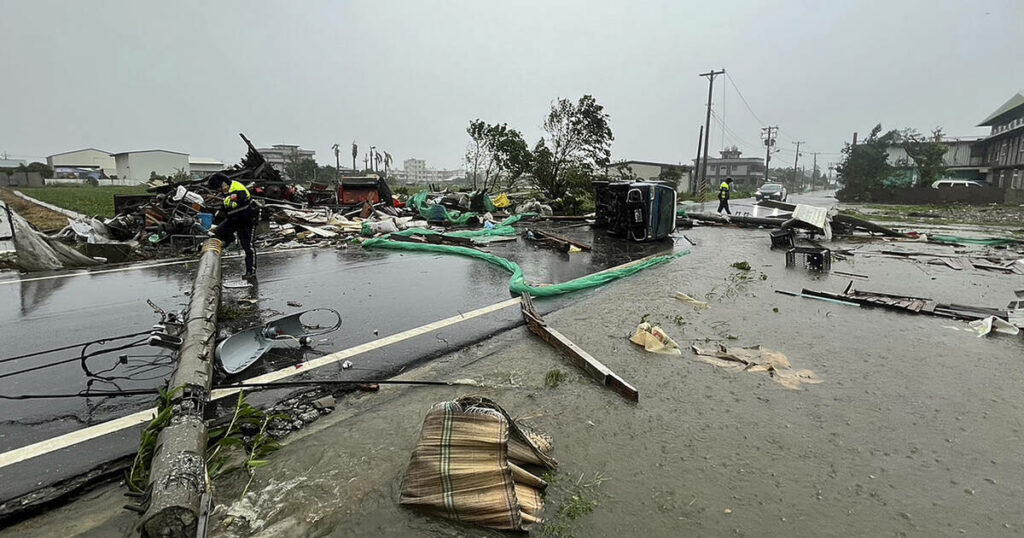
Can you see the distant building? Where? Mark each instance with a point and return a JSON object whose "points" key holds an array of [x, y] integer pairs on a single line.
{"points": [[1002, 151], [12, 163], [416, 171], [91, 158], [137, 166], [280, 155], [746, 172], [201, 167], [649, 171], [963, 159]]}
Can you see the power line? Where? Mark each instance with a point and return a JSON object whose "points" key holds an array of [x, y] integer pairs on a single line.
{"points": [[744, 99], [733, 137]]}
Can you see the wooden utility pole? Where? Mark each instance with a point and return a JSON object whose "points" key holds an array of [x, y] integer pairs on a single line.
{"points": [[707, 131], [696, 163], [797, 158], [768, 133], [814, 168]]}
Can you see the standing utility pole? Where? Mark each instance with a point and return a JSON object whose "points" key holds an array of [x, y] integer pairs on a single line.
{"points": [[707, 131], [797, 158], [696, 163], [768, 134], [814, 168]]}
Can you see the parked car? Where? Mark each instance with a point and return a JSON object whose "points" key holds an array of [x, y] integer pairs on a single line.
{"points": [[771, 191], [954, 183]]}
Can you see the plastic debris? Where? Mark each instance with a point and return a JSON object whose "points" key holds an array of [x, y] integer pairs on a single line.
{"points": [[654, 340], [756, 359], [993, 324], [699, 305]]}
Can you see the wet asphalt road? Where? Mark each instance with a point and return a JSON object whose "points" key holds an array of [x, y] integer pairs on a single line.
{"points": [[378, 293]]}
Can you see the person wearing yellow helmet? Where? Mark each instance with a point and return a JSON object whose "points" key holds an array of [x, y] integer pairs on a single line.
{"points": [[723, 196], [239, 218]]}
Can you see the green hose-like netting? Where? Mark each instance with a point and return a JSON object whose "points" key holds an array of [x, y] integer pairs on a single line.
{"points": [[956, 240], [517, 284], [418, 202]]}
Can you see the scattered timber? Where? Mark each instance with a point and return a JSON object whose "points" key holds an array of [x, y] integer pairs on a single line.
{"points": [[574, 353], [906, 303]]}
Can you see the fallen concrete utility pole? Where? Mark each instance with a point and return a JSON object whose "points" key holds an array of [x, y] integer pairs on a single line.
{"points": [[840, 218], [577, 356], [177, 480]]}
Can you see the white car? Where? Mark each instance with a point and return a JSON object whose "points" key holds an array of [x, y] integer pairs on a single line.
{"points": [[954, 183]]}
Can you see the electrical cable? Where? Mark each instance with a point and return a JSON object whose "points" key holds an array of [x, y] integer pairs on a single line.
{"points": [[244, 387], [72, 346], [744, 99]]}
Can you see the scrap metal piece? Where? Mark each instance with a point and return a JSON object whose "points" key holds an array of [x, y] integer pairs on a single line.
{"points": [[593, 367], [238, 351]]}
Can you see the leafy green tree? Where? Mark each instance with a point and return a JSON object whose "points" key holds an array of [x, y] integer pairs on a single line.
{"points": [[44, 170], [865, 166], [495, 155], [672, 175], [578, 142], [928, 153], [793, 178], [300, 169]]}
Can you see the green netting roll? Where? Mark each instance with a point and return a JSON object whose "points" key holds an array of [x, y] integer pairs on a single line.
{"points": [[419, 202], [957, 240], [517, 284]]}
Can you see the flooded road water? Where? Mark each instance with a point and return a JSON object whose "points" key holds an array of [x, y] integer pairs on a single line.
{"points": [[378, 293], [914, 431]]}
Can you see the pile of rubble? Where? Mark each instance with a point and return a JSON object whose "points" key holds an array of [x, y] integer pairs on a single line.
{"points": [[175, 217]]}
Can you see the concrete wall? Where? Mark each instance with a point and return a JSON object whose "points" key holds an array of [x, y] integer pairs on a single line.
{"points": [[21, 179], [136, 167], [86, 158]]}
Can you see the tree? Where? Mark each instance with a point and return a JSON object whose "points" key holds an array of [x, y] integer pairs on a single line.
{"points": [[792, 178], [44, 170], [495, 155], [928, 153], [865, 166], [672, 175], [300, 169], [578, 139]]}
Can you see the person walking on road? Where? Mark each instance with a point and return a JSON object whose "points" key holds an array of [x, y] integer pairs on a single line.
{"points": [[240, 219], [723, 196]]}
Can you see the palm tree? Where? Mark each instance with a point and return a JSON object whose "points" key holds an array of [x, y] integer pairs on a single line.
{"points": [[337, 158]]}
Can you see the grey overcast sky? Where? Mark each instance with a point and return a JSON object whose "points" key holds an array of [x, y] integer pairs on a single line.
{"points": [[407, 76]]}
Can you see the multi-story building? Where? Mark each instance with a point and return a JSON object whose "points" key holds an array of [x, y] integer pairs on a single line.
{"points": [[1002, 150], [415, 170], [280, 155], [746, 172]]}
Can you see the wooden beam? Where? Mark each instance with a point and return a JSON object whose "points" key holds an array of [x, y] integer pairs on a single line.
{"points": [[593, 367]]}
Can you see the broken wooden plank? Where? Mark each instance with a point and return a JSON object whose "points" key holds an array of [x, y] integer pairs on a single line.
{"points": [[593, 367], [561, 238]]}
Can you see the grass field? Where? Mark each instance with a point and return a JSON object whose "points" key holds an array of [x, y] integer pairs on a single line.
{"points": [[87, 200]]}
